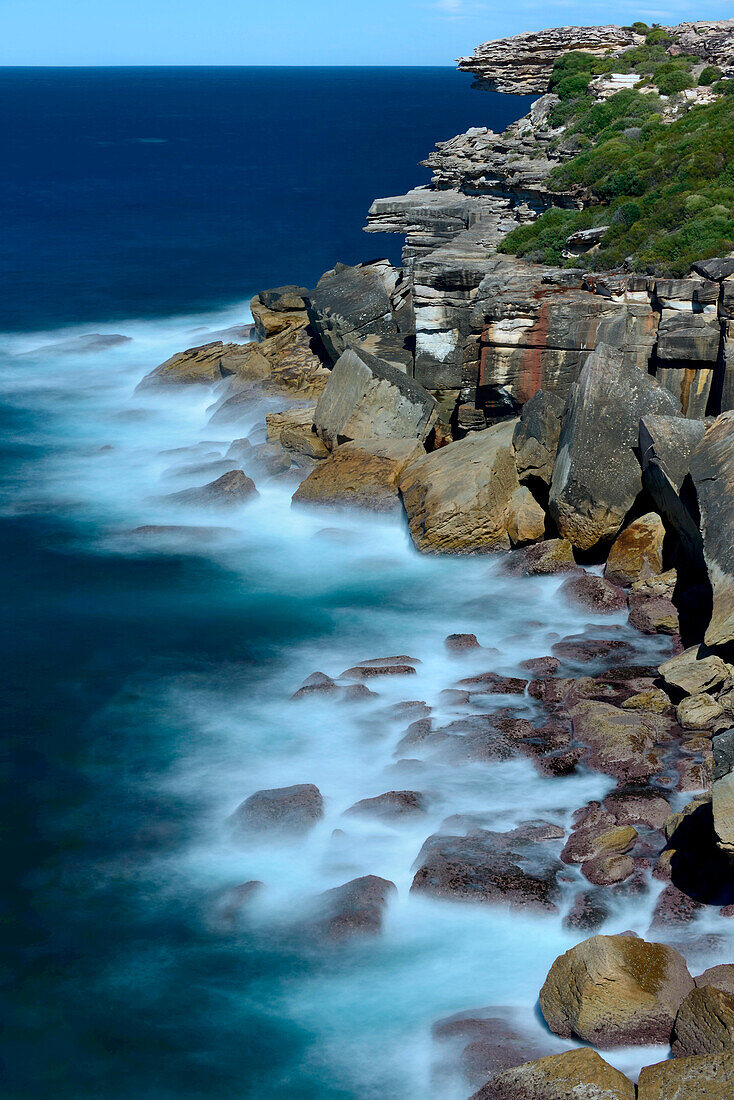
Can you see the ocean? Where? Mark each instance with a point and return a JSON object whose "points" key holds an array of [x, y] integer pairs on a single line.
{"points": [[147, 684]]}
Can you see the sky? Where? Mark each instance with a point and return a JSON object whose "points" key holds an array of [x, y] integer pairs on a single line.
{"points": [[297, 32]]}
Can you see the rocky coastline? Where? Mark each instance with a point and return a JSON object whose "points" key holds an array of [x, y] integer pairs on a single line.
{"points": [[579, 424]]}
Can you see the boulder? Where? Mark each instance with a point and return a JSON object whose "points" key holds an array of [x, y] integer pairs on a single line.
{"points": [[278, 309], [205, 364], [705, 1077], [461, 643], [596, 476], [637, 553], [594, 593], [293, 809], [457, 498], [390, 806], [355, 909], [666, 444], [592, 841], [525, 517], [228, 491], [543, 559], [712, 471], [695, 670], [615, 991], [622, 742], [608, 870], [363, 473], [653, 614], [297, 416], [698, 712], [350, 304], [581, 1074], [366, 398], [536, 436], [720, 977], [484, 866], [705, 1023]]}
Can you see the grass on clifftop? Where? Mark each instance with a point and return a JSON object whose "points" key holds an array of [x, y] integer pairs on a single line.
{"points": [[666, 191]]}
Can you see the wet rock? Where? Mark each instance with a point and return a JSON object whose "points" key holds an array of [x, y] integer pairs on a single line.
{"points": [[461, 643], [228, 491], [591, 491], [653, 699], [594, 593], [599, 839], [293, 809], [457, 498], [712, 471], [638, 805], [205, 365], [491, 1043], [355, 909], [707, 1077], [543, 559], [363, 473], [391, 666], [536, 436], [615, 991], [491, 683], [582, 649], [704, 1024], [608, 870], [390, 806], [318, 683], [231, 904], [589, 911], [698, 712], [653, 614], [367, 398], [489, 867], [674, 908], [694, 671], [357, 693], [636, 553], [541, 666], [720, 977], [575, 1073], [621, 742]]}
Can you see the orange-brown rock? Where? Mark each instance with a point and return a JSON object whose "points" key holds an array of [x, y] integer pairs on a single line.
{"points": [[581, 1074], [364, 473], [637, 553], [705, 1023], [705, 1077]]}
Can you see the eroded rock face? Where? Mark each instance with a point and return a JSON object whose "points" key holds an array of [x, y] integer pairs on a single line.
{"points": [[351, 304], [205, 364], [596, 476], [575, 1073], [363, 473], [293, 809], [615, 991], [366, 398], [707, 1077], [536, 436], [694, 671], [637, 553], [705, 1023], [522, 63], [712, 470], [456, 499]]}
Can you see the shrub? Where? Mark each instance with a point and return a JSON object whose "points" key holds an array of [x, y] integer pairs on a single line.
{"points": [[670, 83], [573, 85], [657, 37], [709, 75]]}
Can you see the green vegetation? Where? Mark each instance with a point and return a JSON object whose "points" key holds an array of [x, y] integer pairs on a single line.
{"points": [[666, 191]]}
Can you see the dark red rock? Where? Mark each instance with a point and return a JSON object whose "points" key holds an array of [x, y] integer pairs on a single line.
{"points": [[720, 977], [293, 809], [583, 649], [357, 693], [355, 909], [594, 593], [541, 666], [490, 1044], [364, 672], [318, 683], [674, 908], [491, 683], [653, 614], [588, 912], [638, 805], [551, 693]]}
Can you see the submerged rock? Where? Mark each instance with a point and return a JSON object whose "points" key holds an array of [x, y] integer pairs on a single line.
{"points": [[390, 806], [293, 809], [615, 991]]}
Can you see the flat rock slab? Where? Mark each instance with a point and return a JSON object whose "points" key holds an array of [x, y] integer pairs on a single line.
{"points": [[615, 991], [456, 499], [694, 671]]}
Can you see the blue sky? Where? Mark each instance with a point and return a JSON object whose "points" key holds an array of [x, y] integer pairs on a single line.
{"points": [[296, 32]]}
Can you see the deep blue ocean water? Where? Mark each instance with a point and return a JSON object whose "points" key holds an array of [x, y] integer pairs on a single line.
{"points": [[145, 685]]}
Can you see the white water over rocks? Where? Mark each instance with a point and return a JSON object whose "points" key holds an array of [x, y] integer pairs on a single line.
{"points": [[348, 588]]}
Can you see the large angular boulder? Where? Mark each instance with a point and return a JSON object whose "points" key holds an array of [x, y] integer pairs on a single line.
{"points": [[457, 498], [581, 1074], [351, 303], [712, 470], [666, 444], [525, 517], [705, 1077], [637, 553], [536, 436], [596, 476], [722, 796], [695, 670], [205, 364], [615, 991], [705, 1023], [366, 398], [278, 309], [363, 473]]}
